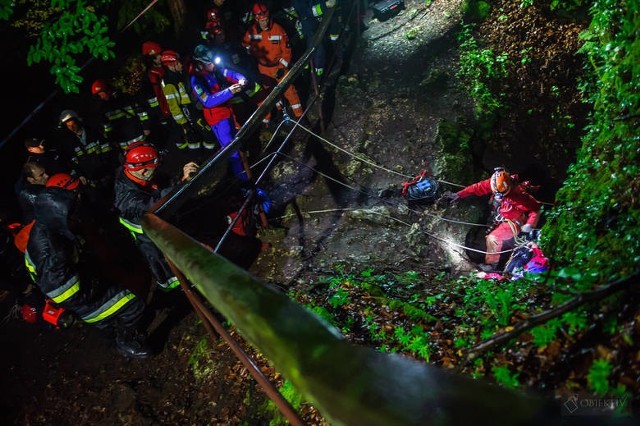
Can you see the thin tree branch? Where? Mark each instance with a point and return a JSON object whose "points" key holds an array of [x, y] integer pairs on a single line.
{"points": [[597, 294]]}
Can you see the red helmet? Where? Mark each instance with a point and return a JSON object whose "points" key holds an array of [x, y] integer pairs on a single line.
{"points": [[151, 48], [141, 157], [64, 181], [214, 27], [168, 57], [213, 15], [99, 86], [260, 10], [501, 181]]}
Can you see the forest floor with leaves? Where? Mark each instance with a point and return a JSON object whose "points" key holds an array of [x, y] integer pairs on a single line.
{"points": [[358, 256]]}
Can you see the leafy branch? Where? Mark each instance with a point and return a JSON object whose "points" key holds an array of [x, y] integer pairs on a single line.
{"points": [[598, 294]]}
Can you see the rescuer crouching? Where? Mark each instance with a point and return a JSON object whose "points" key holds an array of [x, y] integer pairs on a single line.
{"points": [[55, 257]]}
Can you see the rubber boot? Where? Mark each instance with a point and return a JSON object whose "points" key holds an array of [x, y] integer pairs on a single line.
{"points": [[132, 344]]}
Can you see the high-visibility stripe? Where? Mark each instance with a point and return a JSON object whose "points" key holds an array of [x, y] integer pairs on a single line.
{"points": [[125, 144], [31, 267], [170, 284], [65, 291], [109, 308], [133, 227], [317, 10]]}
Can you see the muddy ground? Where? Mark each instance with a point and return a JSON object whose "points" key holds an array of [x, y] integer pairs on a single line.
{"points": [[388, 108]]}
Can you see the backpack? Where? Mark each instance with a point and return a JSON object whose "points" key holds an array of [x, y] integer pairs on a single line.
{"points": [[421, 190]]}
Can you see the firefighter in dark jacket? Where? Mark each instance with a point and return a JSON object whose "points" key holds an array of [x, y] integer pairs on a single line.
{"points": [[194, 129], [90, 156], [311, 13], [135, 192], [125, 121], [54, 258]]}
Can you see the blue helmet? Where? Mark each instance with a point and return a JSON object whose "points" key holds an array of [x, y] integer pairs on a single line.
{"points": [[203, 54]]}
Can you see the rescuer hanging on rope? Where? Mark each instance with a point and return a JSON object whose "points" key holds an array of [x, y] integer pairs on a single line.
{"points": [[515, 211]]}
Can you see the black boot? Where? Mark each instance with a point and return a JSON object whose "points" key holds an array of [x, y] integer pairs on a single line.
{"points": [[132, 344]]}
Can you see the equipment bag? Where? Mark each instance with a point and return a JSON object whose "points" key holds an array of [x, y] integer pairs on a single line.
{"points": [[385, 9], [422, 190]]}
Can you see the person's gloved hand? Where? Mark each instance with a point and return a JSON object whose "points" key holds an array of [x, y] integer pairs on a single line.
{"points": [[264, 200], [279, 73], [203, 124], [452, 197], [526, 228], [330, 3]]}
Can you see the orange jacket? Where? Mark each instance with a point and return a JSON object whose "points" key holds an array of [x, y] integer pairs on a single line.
{"points": [[271, 47]]}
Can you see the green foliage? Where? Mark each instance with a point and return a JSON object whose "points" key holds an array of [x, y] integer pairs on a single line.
{"points": [[339, 298], [291, 395], [568, 6], [477, 9], [504, 377], [324, 314], [415, 341], [200, 361], [479, 69], [546, 333], [6, 9], [493, 303], [77, 30], [66, 32], [598, 376], [596, 220]]}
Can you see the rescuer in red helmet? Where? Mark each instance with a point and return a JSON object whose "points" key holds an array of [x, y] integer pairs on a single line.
{"points": [[268, 43], [151, 55], [135, 192], [152, 87], [195, 132], [125, 120], [54, 258], [516, 211]]}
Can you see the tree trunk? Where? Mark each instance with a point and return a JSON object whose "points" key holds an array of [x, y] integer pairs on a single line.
{"points": [[178, 12]]}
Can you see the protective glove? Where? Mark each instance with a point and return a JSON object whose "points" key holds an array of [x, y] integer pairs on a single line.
{"points": [[452, 197], [202, 124], [526, 228], [330, 3], [279, 73], [264, 200]]}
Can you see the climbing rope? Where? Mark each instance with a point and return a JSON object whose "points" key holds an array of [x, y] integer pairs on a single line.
{"points": [[436, 237]]}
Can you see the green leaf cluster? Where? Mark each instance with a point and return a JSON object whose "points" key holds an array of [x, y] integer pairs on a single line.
{"points": [[505, 377], [77, 29], [479, 69]]}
